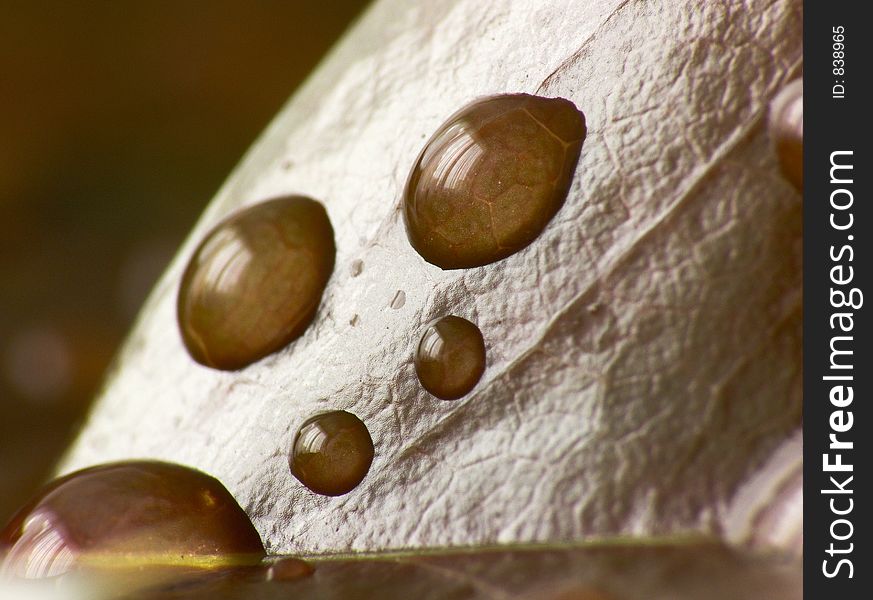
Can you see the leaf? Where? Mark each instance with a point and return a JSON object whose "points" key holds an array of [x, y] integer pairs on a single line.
{"points": [[643, 353], [596, 572]]}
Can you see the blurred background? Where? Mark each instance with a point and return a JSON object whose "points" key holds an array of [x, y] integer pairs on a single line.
{"points": [[118, 122]]}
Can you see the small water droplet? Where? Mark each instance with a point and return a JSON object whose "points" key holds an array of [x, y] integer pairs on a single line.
{"points": [[254, 283], [332, 453], [135, 513], [786, 129], [450, 358], [288, 569], [490, 179], [356, 268], [398, 300]]}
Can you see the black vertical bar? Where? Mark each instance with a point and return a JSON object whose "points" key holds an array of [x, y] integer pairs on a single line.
{"points": [[838, 58]]}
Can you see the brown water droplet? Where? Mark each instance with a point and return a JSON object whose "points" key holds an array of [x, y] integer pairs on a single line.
{"points": [[289, 569], [491, 178], [254, 283], [332, 453], [786, 129], [128, 514], [450, 358]]}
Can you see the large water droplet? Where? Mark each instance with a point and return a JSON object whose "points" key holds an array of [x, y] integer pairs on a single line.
{"points": [[450, 358], [491, 178], [332, 453], [128, 514], [254, 283]]}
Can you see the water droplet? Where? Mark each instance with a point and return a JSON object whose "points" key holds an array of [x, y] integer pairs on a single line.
{"points": [[255, 282], [136, 513], [354, 320], [332, 453], [356, 268], [490, 179], [398, 300], [289, 569], [450, 358], [786, 129]]}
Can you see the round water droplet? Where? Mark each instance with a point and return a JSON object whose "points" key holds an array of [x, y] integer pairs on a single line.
{"points": [[491, 178], [332, 453], [254, 283], [450, 358], [786, 129], [289, 569], [128, 514]]}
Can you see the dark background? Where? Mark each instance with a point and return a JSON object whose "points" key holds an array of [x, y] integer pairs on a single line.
{"points": [[118, 121]]}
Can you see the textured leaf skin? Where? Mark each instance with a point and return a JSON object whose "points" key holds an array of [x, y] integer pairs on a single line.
{"points": [[644, 351]]}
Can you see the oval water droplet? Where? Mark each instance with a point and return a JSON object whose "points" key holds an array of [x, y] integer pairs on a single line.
{"points": [[254, 283], [450, 358], [332, 453], [289, 569], [786, 129], [356, 268], [491, 178], [128, 514]]}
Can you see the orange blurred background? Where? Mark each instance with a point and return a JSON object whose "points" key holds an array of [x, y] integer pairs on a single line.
{"points": [[118, 121]]}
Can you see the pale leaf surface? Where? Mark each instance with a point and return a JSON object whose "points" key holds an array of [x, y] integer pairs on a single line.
{"points": [[643, 353]]}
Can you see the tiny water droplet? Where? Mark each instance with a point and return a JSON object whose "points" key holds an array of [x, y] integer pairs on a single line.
{"points": [[356, 268], [255, 281], [289, 569], [491, 178], [450, 358], [332, 453]]}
